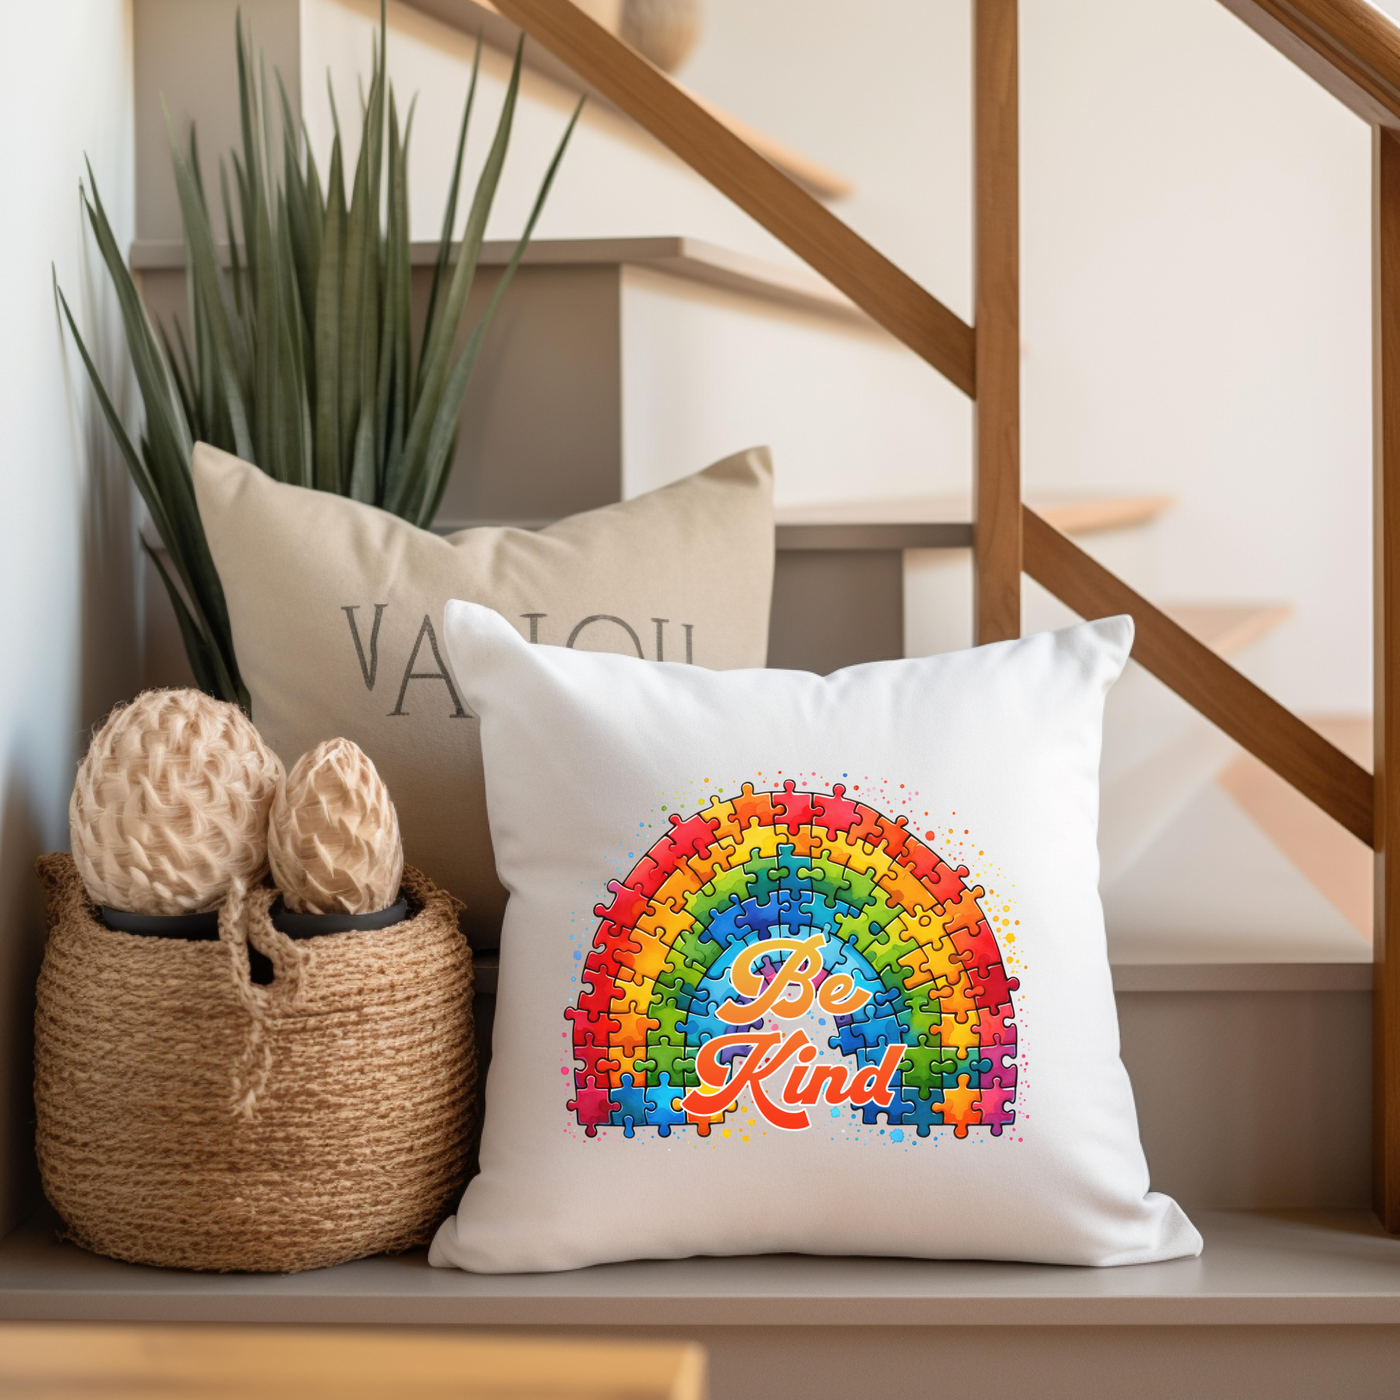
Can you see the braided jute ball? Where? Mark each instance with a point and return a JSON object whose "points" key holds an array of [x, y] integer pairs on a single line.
{"points": [[170, 805], [333, 836]]}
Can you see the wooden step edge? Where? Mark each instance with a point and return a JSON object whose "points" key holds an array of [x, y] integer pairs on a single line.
{"points": [[1097, 513], [1258, 1268], [1075, 515], [1227, 628], [473, 17], [690, 259]]}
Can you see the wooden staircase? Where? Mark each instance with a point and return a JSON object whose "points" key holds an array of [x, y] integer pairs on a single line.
{"points": [[1252, 1067]]}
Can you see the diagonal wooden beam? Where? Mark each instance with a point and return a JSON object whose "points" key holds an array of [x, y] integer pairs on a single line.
{"points": [[887, 295], [1250, 716]]}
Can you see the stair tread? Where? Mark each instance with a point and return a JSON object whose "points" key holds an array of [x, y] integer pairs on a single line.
{"points": [[1074, 514], [1228, 627], [1257, 1268]]}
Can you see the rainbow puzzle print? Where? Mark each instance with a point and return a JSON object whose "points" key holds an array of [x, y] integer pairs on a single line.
{"points": [[760, 910]]}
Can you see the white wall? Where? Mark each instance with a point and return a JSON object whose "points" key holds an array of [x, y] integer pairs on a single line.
{"points": [[66, 592], [615, 182], [1195, 252], [1196, 267]]}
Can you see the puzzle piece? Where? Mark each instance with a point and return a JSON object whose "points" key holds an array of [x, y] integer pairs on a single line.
{"points": [[969, 1065], [595, 1064], [664, 922], [751, 807], [688, 836], [663, 1110], [631, 1032], [792, 808], [992, 987], [630, 1106], [976, 947], [671, 1064], [721, 856], [894, 835], [649, 960], [647, 876], [871, 861], [941, 880], [994, 1107], [836, 813], [790, 878], [960, 1107], [720, 814], [958, 1030], [922, 1112], [598, 988], [925, 1065], [727, 926], [631, 996], [593, 1106], [680, 883], [626, 908], [761, 916], [904, 890], [616, 944], [767, 874], [887, 947], [963, 913], [995, 1026], [894, 1115], [713, 898]]}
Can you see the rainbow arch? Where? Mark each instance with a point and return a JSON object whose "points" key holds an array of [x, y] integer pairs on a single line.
{"points": [[902, 922]]}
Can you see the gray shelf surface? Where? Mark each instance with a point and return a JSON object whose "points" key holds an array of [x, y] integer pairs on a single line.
{"points": [[1258, 1268]]}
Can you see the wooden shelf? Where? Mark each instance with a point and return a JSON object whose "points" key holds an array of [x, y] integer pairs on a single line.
{"points": [[1258, 1268]]}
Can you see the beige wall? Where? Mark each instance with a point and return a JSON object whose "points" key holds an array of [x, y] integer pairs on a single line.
{"points": [[67, 612]]}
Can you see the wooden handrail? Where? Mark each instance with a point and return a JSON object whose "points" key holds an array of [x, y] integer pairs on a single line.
{"points": [[889, 296], [1250, 716], [1349, 46]]}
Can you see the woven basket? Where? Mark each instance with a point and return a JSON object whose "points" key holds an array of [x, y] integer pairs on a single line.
{"points": [[191, 1118]]}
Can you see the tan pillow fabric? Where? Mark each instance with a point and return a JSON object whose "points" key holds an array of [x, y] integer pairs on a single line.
{"points": [[337, 608]]}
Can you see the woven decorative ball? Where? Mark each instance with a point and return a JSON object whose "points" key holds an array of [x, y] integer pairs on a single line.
{"points": [[190, 1117], [170, 805], [333, 835]]}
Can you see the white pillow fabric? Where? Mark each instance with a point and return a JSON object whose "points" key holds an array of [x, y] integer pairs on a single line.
{"points": [[801, 963]]}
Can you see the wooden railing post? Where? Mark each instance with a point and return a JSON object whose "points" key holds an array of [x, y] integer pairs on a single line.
{"points": [[997, 250], [1386, 412]]}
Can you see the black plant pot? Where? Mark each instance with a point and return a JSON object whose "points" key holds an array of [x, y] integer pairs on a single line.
{"points": [[206, 927], [314, 925]]}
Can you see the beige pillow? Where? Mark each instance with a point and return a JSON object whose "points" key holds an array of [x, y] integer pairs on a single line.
{"points": [[337, 608]]}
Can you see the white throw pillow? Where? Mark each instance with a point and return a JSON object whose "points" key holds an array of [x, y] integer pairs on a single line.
{"points": [[335, 608], [892, 870]]}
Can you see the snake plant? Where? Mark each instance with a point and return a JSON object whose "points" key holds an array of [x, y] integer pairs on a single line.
{"points": [[299, 353]]}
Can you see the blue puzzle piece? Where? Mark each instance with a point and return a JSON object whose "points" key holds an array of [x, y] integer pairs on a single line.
{"points": [[922, 1113], [661, 1101], [726, 926], [760, 916], [896, 1114], [631, 1107]]}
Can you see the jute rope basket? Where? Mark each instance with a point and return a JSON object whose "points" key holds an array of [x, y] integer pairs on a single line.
{"points": [[189, 1117]]}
